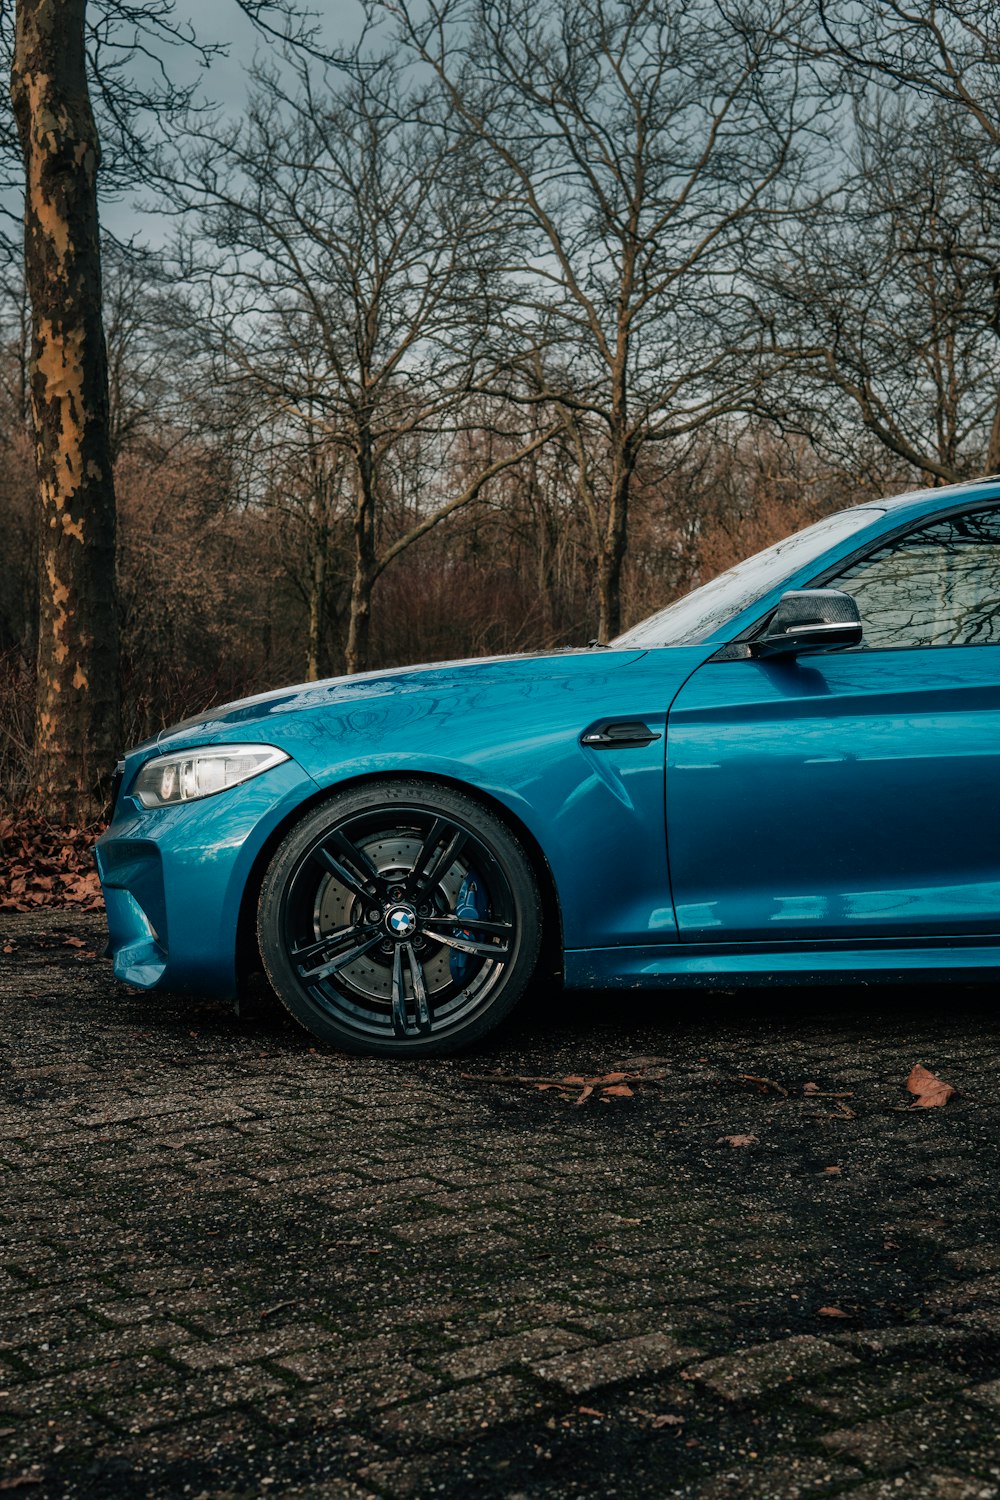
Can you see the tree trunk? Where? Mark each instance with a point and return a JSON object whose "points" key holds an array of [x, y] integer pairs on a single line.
{"points": [[77, 705], [993, 451], [317, 604], [612, 554], [365, 568]]}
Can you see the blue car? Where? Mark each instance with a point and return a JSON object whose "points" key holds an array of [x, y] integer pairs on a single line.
{"points": [[792, 775]]}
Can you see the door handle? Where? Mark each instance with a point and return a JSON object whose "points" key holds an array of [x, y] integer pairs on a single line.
{"points": [[627, 733]]}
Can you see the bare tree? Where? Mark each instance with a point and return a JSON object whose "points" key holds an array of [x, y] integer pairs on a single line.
{"points": [[56, 51], [887, 296], [941, 61], [944, 50], [352, 262], [640, 147]]}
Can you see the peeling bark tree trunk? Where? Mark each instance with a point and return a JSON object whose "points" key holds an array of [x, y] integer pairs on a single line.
{"points": [[77, 707]]}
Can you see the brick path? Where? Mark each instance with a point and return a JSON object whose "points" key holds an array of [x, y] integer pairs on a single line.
{"points": [[233, 1265]]}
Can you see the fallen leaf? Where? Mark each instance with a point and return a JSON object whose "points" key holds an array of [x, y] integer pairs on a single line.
{"points": [[620, 1091], [831, 1312], [667, 1419], [588, 1411], [737, 1140], [810, 1088], [832, 1171], [585, 1094], [768, 1085], [928, 1089]]}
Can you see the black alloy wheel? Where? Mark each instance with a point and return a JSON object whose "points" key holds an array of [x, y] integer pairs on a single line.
{"points": [[399, 919]]}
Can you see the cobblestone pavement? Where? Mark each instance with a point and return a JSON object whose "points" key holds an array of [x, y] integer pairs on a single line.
{"points": [[234, 1264]]}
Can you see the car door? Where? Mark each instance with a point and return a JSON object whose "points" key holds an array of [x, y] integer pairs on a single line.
{"points": [[856, 794]]}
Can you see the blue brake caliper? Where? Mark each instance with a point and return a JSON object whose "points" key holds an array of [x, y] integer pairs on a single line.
{"points": [[469, 903]]}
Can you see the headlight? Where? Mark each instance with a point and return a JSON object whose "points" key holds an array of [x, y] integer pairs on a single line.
{"points": [[200, 773]]}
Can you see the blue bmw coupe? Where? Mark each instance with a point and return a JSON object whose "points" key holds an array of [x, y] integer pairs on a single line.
{"points": [[792, 774]]}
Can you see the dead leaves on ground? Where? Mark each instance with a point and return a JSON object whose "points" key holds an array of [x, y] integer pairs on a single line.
{"points": [[45, 866], [578, 1088], [928, 1090], [640, 1074]]}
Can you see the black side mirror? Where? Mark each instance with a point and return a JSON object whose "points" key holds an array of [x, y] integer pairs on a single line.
{"points": [[810, 620]]}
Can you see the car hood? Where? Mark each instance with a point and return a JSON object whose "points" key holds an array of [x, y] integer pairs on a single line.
{"points": [[258, 718]]}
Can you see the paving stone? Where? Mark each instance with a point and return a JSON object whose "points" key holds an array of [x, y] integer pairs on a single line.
{"points": [[592, 1368], [464, 1414], [924, 1339], [917, 1485], [267, 1345], [340, 1354], [521, 1348], [764, 1367], [778, 1479], [260, 1267], [890, 1443], [873, 1393], [987, 1394]]}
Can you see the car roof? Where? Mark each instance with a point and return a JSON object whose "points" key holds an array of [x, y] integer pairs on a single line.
{"points": [[939, 497]]}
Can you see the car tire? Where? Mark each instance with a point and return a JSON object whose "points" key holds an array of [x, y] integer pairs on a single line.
{"points": [[399, 918]]}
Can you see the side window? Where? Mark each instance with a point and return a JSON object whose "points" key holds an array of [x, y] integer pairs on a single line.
{"points": [[939, 586]]}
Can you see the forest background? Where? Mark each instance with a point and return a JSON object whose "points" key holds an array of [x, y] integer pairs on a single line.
{"points": [[491, 329]]}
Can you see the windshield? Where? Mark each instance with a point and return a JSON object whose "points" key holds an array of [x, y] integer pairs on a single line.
{"points": [[699, 614]]}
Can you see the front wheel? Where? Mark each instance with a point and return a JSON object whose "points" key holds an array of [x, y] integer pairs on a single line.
{"points": [[399, 919]]}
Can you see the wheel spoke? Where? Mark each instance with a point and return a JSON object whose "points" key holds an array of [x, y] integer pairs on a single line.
{"points": [[339, 871], [430, 843], [478, 924], [322, 945], [313, 976], [442, 862], [419, 988], [354, 855], [464, 945], [399, 1022]]}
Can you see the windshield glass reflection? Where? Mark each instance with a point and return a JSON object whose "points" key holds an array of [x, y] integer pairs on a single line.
{"points": [[699, 614]]}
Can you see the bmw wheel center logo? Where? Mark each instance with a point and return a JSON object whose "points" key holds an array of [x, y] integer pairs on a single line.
{"points": [[401, 921]]}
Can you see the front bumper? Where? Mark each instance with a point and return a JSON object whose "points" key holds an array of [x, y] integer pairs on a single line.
{"points": [[174, 878]]}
